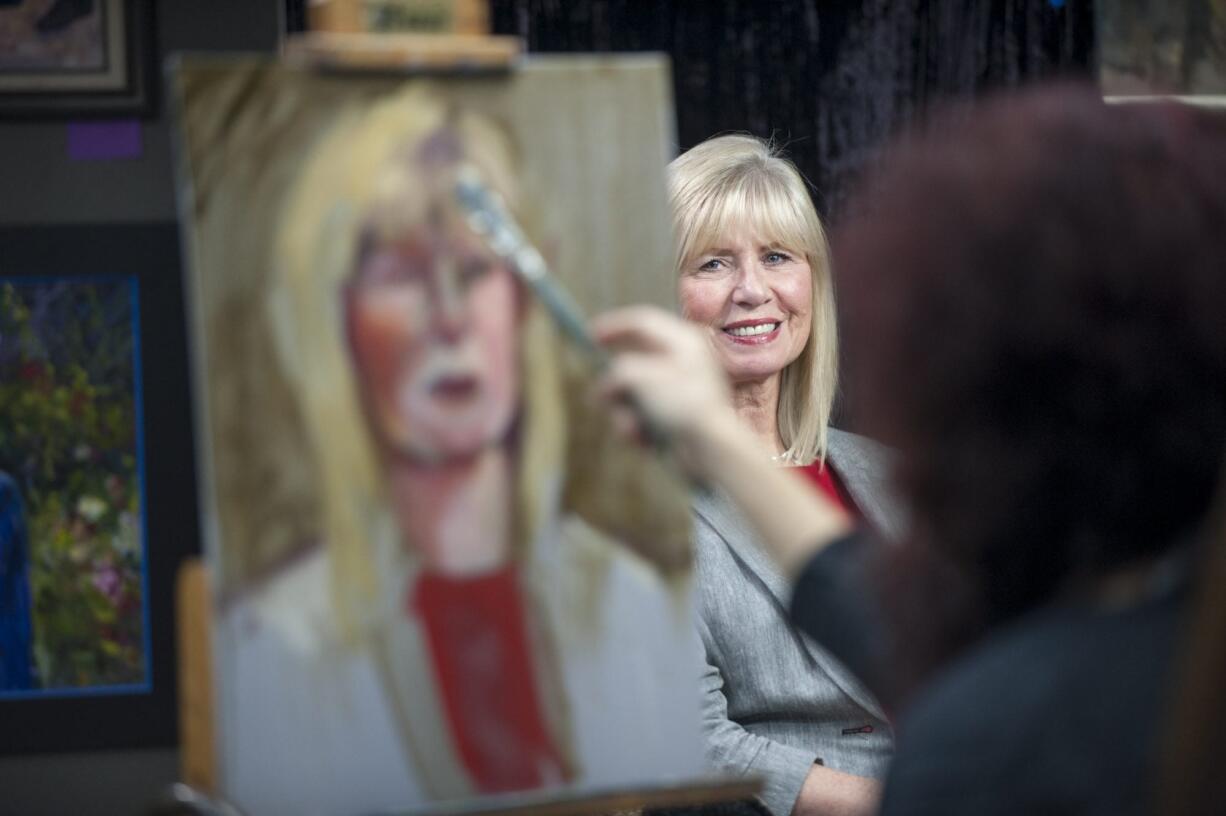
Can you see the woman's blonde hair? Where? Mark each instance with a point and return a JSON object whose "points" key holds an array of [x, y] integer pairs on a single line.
{"points": [[731, 181], [363, 181]]}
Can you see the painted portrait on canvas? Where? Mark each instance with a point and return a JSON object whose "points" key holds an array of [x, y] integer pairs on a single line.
{"points": [[455, 614], [72, 560]]}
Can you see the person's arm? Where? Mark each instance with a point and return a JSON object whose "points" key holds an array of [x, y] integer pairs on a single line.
{"points": [[833, 602], [794, 784], [733, 749], [667, 370], [828, 792]]}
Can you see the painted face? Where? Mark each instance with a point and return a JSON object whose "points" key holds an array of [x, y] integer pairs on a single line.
{"points": [[755, 301], [432, 329]]}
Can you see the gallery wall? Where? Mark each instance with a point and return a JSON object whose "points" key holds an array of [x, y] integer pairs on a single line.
{"points": [[41, 185]]}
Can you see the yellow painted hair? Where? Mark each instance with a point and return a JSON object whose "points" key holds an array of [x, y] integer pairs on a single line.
{"points": [[358, 179]]}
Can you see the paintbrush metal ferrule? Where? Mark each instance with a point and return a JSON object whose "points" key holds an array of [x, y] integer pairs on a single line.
{"points": [[489, 218]]}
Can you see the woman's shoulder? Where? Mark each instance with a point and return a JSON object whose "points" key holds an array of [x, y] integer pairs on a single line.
{"points": [[717, 521], [848, 447], [865, 468]]}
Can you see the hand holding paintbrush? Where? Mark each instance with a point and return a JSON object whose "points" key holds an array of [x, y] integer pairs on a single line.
{"points": [[489, 218]]}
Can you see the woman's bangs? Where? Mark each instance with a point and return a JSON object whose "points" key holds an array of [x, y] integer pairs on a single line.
{"points": [[753, 202], [774, 217]]}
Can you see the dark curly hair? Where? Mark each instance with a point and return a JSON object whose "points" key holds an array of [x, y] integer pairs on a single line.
{"points": [[1035, 302]]}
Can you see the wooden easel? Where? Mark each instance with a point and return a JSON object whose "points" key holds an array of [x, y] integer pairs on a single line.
{"points": [[193, 623], [400, 35], [342, 39]]}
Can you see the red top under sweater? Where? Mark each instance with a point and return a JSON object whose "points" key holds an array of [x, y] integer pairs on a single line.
{"points": [[831, 485]]}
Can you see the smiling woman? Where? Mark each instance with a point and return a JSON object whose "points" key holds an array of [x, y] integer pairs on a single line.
{"points": [[753, 271], [756, 300]]}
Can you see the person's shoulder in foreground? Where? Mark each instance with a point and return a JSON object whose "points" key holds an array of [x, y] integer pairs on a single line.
{"points": [[863, 465], [1060, 713]]}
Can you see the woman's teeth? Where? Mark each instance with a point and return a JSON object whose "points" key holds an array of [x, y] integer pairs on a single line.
{"points": [[750, 331]]}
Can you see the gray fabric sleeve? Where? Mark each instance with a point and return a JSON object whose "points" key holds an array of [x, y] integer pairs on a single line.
{"points": [[732, 748]]}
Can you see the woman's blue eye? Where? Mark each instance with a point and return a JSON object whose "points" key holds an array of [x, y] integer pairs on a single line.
{"points": [[711, 265], [777, 257]]}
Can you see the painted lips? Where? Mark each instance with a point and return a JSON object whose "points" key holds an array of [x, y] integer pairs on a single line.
{"points": [[454, 388]]}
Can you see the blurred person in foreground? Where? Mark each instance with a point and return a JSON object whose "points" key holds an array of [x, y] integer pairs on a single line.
{"points": [[1190, 779], [753, 272], [1035, 294]]}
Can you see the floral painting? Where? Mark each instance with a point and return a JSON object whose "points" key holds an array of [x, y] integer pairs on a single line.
{"points": [[72, 577]]}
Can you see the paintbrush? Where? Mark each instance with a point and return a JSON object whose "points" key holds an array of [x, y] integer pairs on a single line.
{"points": [[489, 218]]}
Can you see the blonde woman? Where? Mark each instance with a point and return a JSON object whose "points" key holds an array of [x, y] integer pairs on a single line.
{"points": [[754, 275], [454, 632]]}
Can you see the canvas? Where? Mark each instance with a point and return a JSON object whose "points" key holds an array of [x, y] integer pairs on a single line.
{"points": [[439, 576]]}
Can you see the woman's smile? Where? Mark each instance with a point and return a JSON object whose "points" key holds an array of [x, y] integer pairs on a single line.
{"points": [[754, 297], [756, 332]]}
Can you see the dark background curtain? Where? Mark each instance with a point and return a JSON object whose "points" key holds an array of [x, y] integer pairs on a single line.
{"points": [[829, 80]]}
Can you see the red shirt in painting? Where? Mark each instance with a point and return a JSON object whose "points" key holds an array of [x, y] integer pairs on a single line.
{"points": [[481, 652]]}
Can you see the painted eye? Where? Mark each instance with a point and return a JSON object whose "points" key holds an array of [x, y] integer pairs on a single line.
{"points": [[386, 269], [473, 270]]}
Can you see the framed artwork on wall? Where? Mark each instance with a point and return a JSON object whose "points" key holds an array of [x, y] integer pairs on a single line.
{"points": [[97, 485], [75, 58], [72, 488]]}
